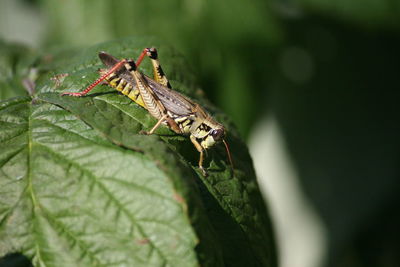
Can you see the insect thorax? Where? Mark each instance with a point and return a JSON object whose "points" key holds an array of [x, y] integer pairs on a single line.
{"points": [[184, 122]]}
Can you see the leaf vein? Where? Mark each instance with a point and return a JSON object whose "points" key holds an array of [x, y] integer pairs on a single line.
{"points": [[112, 198]]}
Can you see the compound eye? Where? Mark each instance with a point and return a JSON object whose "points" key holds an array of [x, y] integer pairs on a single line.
{"points": [[217, 134]]}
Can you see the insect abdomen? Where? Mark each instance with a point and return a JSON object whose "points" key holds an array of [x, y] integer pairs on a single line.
{"points": [[126, 88]]}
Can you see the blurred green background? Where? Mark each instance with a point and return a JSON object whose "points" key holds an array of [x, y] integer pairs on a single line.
{"points": [[326, 71]]}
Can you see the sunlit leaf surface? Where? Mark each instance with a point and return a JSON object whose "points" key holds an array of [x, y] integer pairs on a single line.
{"points": [[81, 187]]}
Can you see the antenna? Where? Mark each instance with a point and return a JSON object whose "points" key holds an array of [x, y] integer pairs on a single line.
{"points": [[228, 152]]}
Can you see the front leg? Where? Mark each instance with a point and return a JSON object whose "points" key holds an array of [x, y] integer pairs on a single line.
{"points": [[201, 150]]}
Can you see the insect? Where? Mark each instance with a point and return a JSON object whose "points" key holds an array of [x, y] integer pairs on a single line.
{"points": [[178, 112]]}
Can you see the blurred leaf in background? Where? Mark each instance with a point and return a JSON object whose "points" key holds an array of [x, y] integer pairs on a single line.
{"points": [[340, 123], [13, 69], [365, 14], [335, 99]]}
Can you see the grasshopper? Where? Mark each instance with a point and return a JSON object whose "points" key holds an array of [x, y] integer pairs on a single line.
{"points": [[178, 112]]}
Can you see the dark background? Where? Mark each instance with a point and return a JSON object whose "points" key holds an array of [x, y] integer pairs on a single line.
{"points": [[327, 70]]}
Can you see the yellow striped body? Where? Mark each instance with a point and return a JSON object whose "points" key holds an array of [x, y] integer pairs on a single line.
{"points": [[125, 87]]}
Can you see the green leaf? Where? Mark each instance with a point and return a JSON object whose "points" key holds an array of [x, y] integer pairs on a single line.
{"points": [[62, 204], [80, 186], [14, 72]]}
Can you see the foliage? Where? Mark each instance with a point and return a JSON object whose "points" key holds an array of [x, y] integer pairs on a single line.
{"points": [[80, 186], [326, 70]]}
